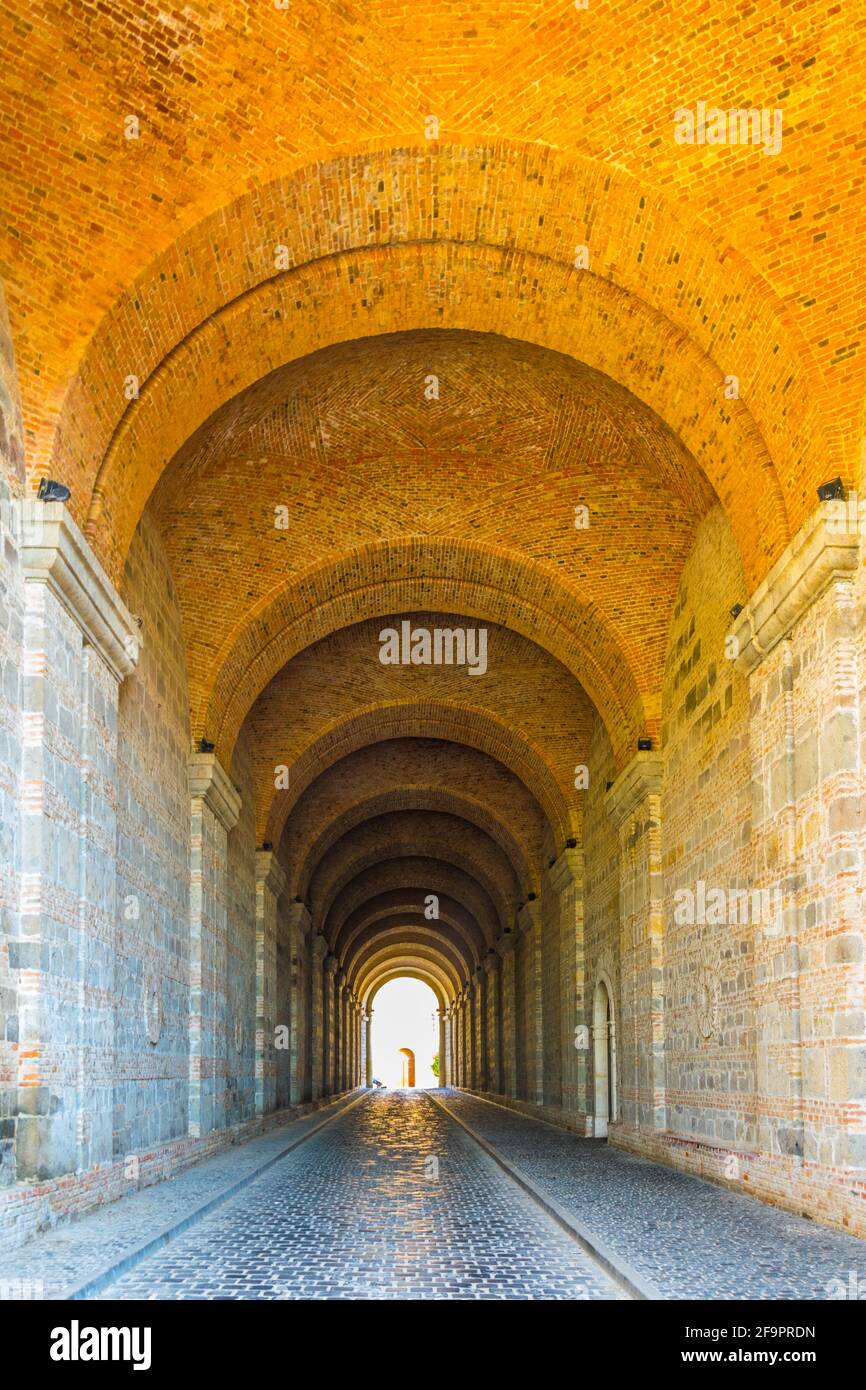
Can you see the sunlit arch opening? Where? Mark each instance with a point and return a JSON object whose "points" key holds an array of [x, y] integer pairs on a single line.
{"points": [[405, 1021]]}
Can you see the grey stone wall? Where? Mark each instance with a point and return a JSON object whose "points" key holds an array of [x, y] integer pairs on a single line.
{"points": [[601, 887], [11, 646], [241, 945], [151, 1088], [551, 991], [706, 830]]}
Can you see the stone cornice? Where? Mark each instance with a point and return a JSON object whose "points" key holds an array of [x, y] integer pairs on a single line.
{"points": [[209, 781], [825, 547], [270, 872], [529, 916], [55, 553], [642, 778], [568, 869], [299, 917]]}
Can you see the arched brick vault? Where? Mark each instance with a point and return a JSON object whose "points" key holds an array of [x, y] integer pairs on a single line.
{"points": [[408, 907], [526, 710], [497, 908], [422, 773], [411, 221], [402, 833], [468, 727], [560, 386], [441, 991], [407, 936], [488, 290], [422, 799], [427, 971], [348, 445], [419, 875], [591, 84], [394, 958], [482, 583]]}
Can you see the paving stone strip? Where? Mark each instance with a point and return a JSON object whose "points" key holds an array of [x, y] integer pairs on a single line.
{"points": [[686, 1236], [630, 1280], [392, 1201], [77, 1258]]}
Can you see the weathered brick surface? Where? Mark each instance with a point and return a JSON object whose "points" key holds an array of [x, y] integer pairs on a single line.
{"points": [[11, 705], [151, 1082], [510, 81], [392, 340], [706, 807], [240, 1025]]}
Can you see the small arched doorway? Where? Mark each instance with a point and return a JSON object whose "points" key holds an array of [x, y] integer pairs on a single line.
{"points": [[408, 1066], [604, 1060]]}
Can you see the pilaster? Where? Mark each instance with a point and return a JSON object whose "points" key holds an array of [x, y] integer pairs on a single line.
{"points": [[330, 1082], [318, 1016], [214, 810], [79, 643], [478, 1077], [506, 948], [797, 640], [529, 922], [298, 925], [634, 806], [442, 1046], [270, 883], [566, 878], [492, 983]]}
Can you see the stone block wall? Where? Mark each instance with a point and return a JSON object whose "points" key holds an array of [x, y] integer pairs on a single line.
{"points": [[240, 1039], [11, 734], [551, 992], [722, 895], [601, 894], [152, 1047], [128, 926], [706, 840]]}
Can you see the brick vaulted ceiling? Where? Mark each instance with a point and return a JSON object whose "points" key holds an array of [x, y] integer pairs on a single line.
{"points": [[350, 446], [283, 258]]}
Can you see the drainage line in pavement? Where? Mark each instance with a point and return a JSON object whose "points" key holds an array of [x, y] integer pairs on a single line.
{"points": [[628, 1278], [97, 1282]]}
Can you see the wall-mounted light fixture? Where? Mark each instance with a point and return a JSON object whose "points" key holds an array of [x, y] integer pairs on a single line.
{"points": [[50, 491], [829, 492]]}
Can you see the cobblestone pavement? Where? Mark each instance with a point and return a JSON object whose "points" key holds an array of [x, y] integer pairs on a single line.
{"points": [[688, 1237], [52, 1263], [391, 1201]]}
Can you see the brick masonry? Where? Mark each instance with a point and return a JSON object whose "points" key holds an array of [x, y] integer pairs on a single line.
{"points": [[222, 817]]}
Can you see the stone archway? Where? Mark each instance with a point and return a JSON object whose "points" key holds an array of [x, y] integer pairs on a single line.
{"points": [[408, 1078], [604, 1060]]}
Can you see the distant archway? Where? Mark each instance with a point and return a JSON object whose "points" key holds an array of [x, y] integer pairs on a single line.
{"points": [[404, 1033], [604, 1060], [408, 1078]]}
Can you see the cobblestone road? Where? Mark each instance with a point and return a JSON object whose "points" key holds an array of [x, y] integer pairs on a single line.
{"points": [[687, 1237], [391, 1201]]}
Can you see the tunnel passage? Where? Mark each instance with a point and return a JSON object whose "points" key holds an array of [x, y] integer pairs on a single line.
{"points": [[442, 592]]}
